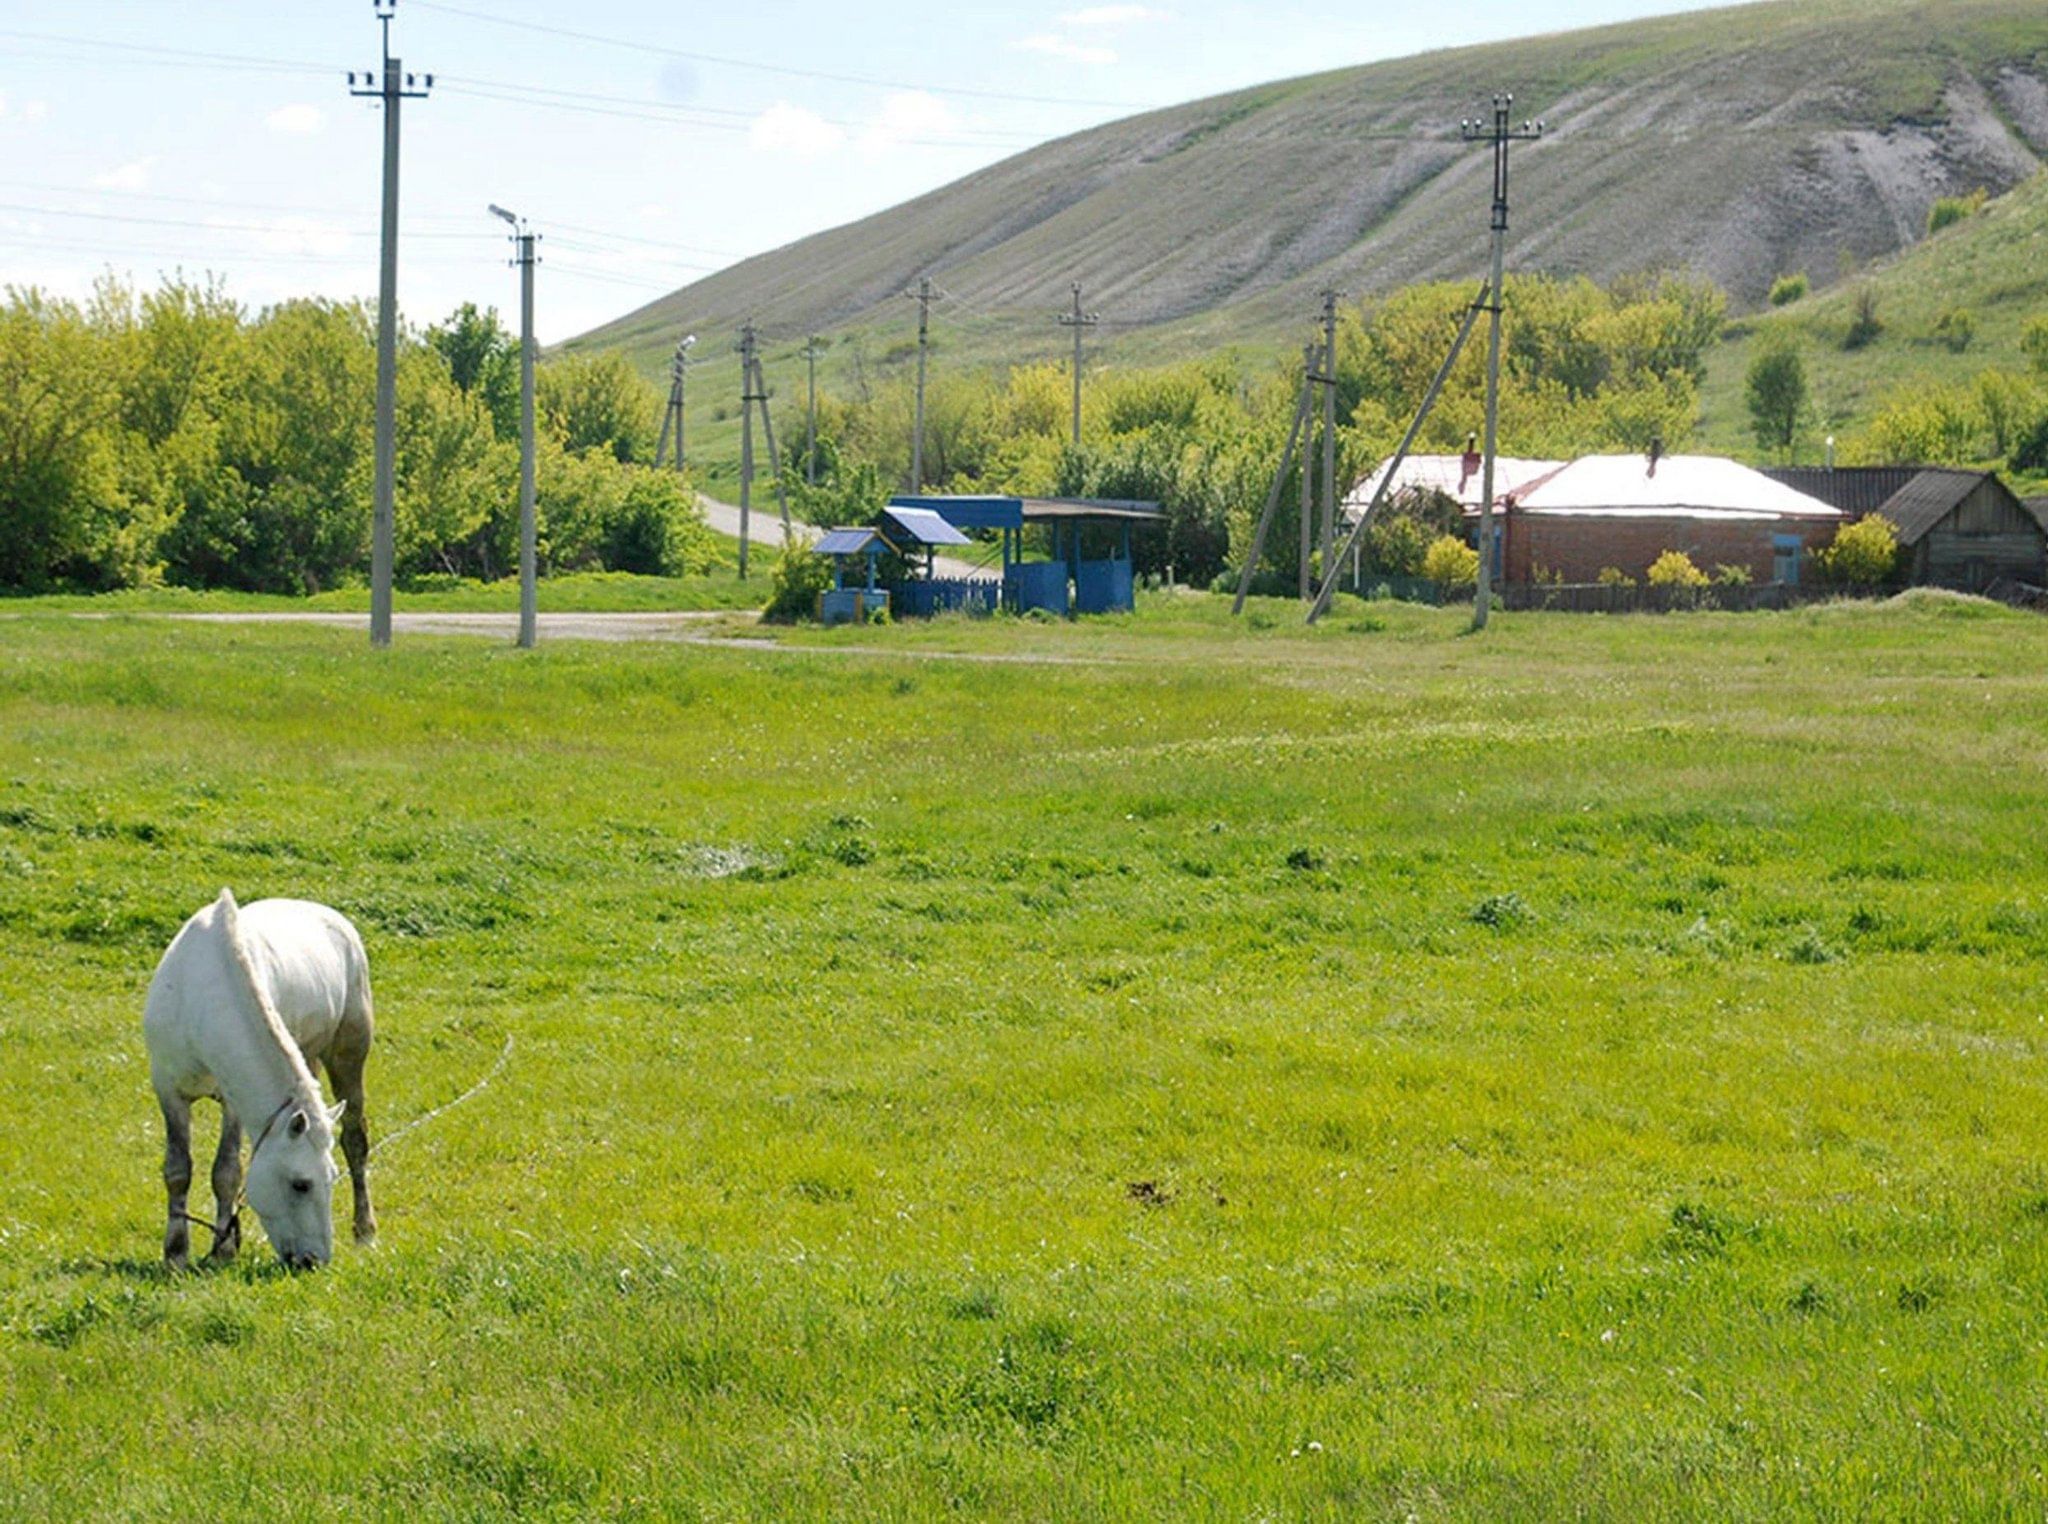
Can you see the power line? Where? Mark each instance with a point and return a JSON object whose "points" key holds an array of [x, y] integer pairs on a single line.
{"points": [[641, 46]]}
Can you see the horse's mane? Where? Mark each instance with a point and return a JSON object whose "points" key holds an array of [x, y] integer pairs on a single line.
{"points": [[231, 925]]}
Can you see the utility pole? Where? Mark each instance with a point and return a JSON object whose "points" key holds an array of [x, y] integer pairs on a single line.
{"points": [[672, 418], [1329, 380], [1500, 134], [529, 570], [1308, 382], [391, 87], [924, 307], [1078, 321], [811, 346], [746, 349], [774, 455]]}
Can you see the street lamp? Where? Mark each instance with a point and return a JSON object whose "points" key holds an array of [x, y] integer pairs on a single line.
{"points": [[528, 570]]}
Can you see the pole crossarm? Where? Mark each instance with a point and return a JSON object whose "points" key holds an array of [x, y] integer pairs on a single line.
{"points": [[1321, 605]]}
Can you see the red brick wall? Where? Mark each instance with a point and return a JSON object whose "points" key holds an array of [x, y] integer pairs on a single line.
{"points": [[1574, 548]]}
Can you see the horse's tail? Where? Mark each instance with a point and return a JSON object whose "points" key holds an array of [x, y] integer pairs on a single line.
{"points": [[229, 918]]}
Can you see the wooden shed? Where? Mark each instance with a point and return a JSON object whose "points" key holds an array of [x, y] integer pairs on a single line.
{"points": [[1965, 530]]}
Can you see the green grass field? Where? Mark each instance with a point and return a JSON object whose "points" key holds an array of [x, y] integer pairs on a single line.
{"points": [[1205, 1071]]}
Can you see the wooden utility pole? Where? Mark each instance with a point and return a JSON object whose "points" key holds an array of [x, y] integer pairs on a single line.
{"points": [[1329, 384], [672, 419], [811, 413], [1308, 383], [1500, 134], [393, 86], [1080, 322], [746, 349], [924, 309], [760, 390]]}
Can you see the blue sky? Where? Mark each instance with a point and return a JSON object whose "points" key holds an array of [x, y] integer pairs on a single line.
{"points": [[659, 142]]}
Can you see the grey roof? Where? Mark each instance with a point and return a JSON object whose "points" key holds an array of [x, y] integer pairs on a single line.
{"points": [[845, 542], [1931, 496], [2038, 507], [925, 527], [1855, 490]]}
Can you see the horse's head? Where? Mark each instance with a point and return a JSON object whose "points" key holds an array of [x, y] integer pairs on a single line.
{"points": [[291, 1184]]}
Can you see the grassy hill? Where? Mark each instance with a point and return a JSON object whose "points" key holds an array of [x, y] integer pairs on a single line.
{"points": [[1993, 266], [1741, 143]]}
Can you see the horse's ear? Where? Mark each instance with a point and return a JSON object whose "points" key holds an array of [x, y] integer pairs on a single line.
{"points": [[334, 1112], [298, 1126]]}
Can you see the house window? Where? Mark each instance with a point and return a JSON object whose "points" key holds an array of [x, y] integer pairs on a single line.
{"points": [[1785, 559]]}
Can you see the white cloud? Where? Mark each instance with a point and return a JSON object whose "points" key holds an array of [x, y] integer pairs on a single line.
{"points": [[299, 119], [907, 117], [784, 128], [1065, 47], [1112, 15], [300, 235], [128, 177], [33, 111]]}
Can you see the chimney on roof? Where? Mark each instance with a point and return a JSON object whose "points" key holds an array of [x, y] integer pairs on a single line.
{"points": [[1469, 467], [1656, 451]]}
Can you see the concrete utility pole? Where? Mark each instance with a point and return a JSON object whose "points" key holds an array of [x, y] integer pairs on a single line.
{"points": [[924, 307], [672, 417], [1329, 380], [746, 349], [1079, 321], [811, 346], [529, 567], [1500, 134], [1308, 382], [391, 87]]}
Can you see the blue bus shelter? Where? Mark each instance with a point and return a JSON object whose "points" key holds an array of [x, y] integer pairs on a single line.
{"points": [[1088, 568]]}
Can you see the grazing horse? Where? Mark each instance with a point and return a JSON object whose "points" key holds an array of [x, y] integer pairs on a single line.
{"points": [[243, 1007]]}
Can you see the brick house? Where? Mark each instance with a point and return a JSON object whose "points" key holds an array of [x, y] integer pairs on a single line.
{"points": [[1625, 511]]}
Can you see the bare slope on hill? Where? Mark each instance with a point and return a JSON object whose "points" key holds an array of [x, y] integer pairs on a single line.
{"points": [[1740, 142]]}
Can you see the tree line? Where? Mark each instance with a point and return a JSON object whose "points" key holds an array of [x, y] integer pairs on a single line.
{"points": [[172, 435]]}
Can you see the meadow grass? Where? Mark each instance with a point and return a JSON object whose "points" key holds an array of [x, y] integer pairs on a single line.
{"points": [[1212, 1070]]}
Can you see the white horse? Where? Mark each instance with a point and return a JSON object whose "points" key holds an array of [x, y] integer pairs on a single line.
{"points": [[243, 1006]]}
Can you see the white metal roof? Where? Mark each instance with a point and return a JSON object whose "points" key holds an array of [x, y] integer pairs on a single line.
{"points": [[1677, 486], [1458, 477]]}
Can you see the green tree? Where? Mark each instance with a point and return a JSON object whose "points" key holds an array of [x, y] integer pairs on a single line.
{"points": [[483, 360], [2034, 341], [1775, 392], [598, 402]]}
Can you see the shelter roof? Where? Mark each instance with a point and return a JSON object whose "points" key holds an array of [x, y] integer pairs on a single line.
{"points": [[1674, 486], [921, 526], [1931, 496], [848, 542], [1457, 477], [968, 511], [1125, 509]]}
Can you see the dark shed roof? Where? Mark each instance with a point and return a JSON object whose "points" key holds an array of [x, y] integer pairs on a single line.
{"points": [[1856, 490], [1931, 496], [2038, 507]]}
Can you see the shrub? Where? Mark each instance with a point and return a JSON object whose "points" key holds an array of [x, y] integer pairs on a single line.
{"points": [[2034, 341], [1788, 288], [800, 575], [2030, 446], [1863, 553], [1450, 562], [1614, 576], [1731, 576], [1956, 327], [1675, 569], [1864, 324], [1947, 211]]}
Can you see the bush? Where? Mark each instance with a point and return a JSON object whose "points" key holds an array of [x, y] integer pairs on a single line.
{"points": [[1731, 576], [1864, 324], [1863, 553], [1450, 562], [800, 575], [1788, 288], [2034, 341], [1614, 576], [2030, 446], [1675, 569], [1947, 211], [1956, 327]]}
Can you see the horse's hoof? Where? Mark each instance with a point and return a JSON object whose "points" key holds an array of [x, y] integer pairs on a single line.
{"points": [[366, 1237]]}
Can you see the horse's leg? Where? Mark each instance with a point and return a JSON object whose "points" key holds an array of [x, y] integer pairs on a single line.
{"points": [[177, 1177], [345, 1065], [227, 1188]]}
